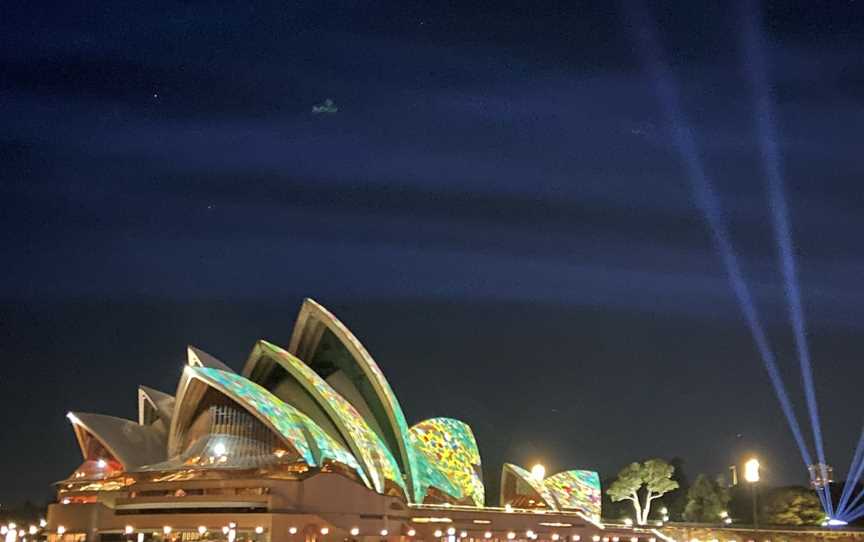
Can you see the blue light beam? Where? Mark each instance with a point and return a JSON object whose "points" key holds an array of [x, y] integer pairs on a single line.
{"points": [[852, 476], [849, 509], [854, 513], [708, 203], [757, 70]]}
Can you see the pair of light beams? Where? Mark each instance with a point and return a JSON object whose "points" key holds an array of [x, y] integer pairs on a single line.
{"points": [[708, 202]]}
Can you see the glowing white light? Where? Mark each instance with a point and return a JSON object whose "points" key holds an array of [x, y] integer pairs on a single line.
{"points": [[355, 531], [634, 539], [325, 530], [751, 470], [219, 449], [727, 521], [411, 532], [383, 532], [43, 523], [202, 529], [511, 535], [128, 529], [463, 534], [487, 534], [538, 472], [292, 530], [451, 531], [508, 507], [166, 529], [259, 529], [529, 533], [61, 530], [101, 463], [66, 501], [32, 529], [555, 536], [596, 538], [438, 533], [628, 522], [225, 529], [834, 522], [575, 538], [4, 529]]}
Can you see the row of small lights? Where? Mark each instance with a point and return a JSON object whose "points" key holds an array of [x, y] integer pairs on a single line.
{"points": [[596, 538], [12, 527], [166, 530], [411, 532], [533, 536], [724, 515]]}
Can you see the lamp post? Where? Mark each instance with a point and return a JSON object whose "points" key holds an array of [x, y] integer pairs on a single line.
{"points": [[751, 475]]}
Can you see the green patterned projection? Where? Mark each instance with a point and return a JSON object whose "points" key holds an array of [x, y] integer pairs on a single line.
{"points": [[535, 484], [576, 490], [289, 422], [383, 392], [449, 448], [428, 475], [379, 462]]}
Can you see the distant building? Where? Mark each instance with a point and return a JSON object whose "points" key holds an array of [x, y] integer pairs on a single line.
{"points": [[307, 443]]}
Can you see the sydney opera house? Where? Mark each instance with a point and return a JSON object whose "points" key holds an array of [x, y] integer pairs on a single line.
{"points": [[306, 442]]}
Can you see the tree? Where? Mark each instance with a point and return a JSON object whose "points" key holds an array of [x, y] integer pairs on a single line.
{"points": [[678, 501], [641, 483], [793, 506], [706, 500]]}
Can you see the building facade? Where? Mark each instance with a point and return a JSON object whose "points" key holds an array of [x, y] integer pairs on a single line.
{"points": [[307, 442]]}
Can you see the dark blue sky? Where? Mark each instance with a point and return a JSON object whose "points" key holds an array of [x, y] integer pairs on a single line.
{"points": [[496, 209]]}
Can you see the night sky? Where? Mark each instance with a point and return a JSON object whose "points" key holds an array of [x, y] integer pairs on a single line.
{"points": [[496, 210]]}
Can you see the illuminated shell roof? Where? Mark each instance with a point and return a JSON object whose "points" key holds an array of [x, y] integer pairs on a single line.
{"points": [[129, 443], [154, 405], [329, 347], [199, 358], [520, 474], [298, 430], [568, 490], [342, 410], [449, 448], [576, 490], [366, 445]]}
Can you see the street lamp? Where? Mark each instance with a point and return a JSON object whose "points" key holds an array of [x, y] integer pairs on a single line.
{"points": [[751, 476]]}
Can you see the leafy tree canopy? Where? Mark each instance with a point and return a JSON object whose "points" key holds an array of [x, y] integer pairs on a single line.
{"points": [[641, 483], [793, 506], [706, 501]]}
